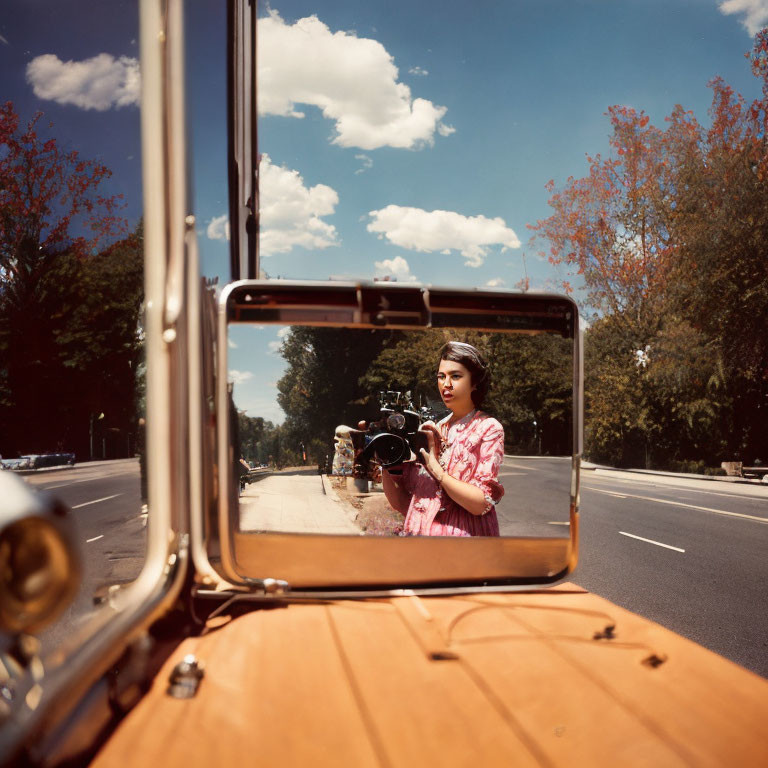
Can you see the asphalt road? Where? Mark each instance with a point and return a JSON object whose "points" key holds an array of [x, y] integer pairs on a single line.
{"points": [[537, 494], [688, 554], [105, 499]]}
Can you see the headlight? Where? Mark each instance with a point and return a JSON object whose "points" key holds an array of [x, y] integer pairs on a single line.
{"points": [[39, 564]]}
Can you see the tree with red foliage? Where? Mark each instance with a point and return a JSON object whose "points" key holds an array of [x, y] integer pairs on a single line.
{"points": [[49, 202], [670, 231]]}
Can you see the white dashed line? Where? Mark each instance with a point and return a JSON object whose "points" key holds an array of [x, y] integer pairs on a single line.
{"points": [[95, 538], [558, 522], [651, 541], [521, 466], [609, 493], [84, 480], [96, 501]]}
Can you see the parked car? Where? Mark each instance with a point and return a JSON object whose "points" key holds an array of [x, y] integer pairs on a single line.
{"points": [[41, 460]]}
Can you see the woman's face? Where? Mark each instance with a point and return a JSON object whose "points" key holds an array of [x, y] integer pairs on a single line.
{"points": [[455, 384]]}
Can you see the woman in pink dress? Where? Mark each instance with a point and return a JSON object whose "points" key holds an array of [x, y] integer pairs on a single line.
{"points": [[455, 491]]}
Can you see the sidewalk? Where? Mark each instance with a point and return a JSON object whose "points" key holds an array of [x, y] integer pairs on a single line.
{"points": [[294, 503]]}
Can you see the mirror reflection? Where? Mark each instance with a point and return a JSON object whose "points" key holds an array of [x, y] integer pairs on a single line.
{"points": [[441, 432]]}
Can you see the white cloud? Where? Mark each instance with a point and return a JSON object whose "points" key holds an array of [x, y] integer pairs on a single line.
{"points": [[218, 228], [442, 231], [238, 377], [397, 267], [755, 13], [496, 282], [353, 80], [291, 213], [231, 344], [274, 346], [419, 71], [366, 163], [283, 332], [99, 83]]}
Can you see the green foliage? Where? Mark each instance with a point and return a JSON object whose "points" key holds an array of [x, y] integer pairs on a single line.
{"points": [[532, 378], [654, 408], [73, 348], [321, 387], [334, 377]]}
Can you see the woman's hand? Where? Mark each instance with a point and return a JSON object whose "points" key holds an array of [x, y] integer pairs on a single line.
{"points": [[430, 456], [464, 494]]}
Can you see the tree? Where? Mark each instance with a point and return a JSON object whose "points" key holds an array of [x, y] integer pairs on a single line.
{"points": [[69, 296], [669, 236], [655, 406], [530, 395], [49, 203], [721, 277], [321, 387]]}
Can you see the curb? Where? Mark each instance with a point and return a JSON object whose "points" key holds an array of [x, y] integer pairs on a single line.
{"points": [[328, 489], [42, 470], [585, 465]]}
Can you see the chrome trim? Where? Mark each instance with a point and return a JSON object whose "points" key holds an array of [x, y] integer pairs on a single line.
{"points": [[74, 667], [305, 560]]}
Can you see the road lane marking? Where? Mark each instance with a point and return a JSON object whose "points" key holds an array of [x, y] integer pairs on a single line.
{"points": [[609, 493], [95, 538], [84, 480], [651, 541], [559, 522], [520, 466], [96, 501], [757, 518], [510, 474]]}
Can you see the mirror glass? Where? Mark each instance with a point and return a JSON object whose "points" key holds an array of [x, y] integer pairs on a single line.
{"points": [[307, 401]]}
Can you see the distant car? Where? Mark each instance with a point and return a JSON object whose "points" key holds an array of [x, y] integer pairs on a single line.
{"points": [[38, 461]]}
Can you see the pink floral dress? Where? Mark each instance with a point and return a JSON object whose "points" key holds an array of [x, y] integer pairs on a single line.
{"points": [[475, 455]]}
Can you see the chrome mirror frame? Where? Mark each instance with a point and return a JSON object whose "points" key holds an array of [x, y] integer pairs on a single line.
{"points": [[306, 562]]}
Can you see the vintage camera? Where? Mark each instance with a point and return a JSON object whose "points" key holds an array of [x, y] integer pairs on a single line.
{"points": [[393, 436]]}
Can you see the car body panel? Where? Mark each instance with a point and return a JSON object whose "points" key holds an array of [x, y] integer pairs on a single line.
{"points": [[547, 677]]}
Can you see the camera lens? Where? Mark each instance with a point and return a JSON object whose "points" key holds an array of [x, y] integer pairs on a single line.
{"points": [[395, 421], [390, 449]]}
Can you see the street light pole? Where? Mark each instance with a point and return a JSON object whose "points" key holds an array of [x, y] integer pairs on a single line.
{"points": [[90, 432]]}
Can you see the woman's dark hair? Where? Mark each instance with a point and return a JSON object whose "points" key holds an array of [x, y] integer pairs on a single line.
{"points": [[474, 362]]}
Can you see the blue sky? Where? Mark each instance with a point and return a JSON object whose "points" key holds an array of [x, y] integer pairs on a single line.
{"points": [[522, 88], [428, 129]]}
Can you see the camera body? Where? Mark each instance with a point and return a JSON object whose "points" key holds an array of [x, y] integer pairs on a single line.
{"points": [[394, 436]]}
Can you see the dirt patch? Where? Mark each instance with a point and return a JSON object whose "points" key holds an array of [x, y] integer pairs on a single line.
{"points": [[372, 511]]}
